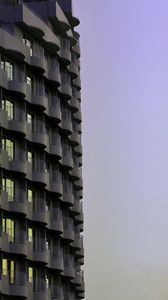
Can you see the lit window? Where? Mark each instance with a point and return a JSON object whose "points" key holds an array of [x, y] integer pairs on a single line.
{"points": [[29, 118], [12, 272], [29, 156], [8, 106], [47, 205], [30, 274], [47, 241], [8, 146], [8, 226], [8, 186], [4, 266], [47, 282], [30, 234], [10, 229], [30, 195], [3, 225], [28, 41], [8, 67], [29, 80]]}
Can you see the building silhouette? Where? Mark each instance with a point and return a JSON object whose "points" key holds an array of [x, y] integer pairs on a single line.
{"points": [[41, 224]]}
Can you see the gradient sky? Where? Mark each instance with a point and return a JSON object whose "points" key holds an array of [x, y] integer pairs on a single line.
{"points": [[124, 45]]}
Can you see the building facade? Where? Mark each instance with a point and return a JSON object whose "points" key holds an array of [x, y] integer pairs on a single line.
{"points": [[41, 216]]}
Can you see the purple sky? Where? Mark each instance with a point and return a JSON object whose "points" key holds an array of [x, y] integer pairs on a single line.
{"points": [[124, 45]]}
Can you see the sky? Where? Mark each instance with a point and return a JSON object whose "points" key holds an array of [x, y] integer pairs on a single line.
{"points": [[124, 72]]}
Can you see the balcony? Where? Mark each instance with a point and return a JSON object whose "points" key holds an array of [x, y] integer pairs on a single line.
{"points": [[19, 246], [67, 161], [74, 104], [38, 136], [54, 182], [77, 83], [41, 293], [16, 125], [73, 69], [38, 62], [76, 207], [78, 185], [40, 100], [78, 116], [18, 288], [79, 218], [51, 41], [16, 164], [38, 211], [16, 204], [78, 240], [38, 175], [68, 197], [75, 139], [18, 87], [56, 221], [40, 254], [66, 126], [68, 233], [54, 108], [80, 252], [65, 90], [76, 173], [57, 291], [53, 75], [56, 259], [76, 49], [68, 267], [56, 150], [13, 47], [81, 288], [78, 150], [65, 55], [79, 278]]}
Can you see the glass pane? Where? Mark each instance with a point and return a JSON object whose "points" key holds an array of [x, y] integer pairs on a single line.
{"points": [[30, 234], [29, 118], [29, 156], [3, 225], [30, 195], [12, 272], [30, 274], [4, 266]]}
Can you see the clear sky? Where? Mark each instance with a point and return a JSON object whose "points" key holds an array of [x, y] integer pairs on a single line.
{"points": [[124, 45]]}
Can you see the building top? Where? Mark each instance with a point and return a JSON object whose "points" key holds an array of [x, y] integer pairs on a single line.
{"points": [[60, 9]]}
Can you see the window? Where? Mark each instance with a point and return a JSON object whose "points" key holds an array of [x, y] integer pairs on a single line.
{"points": [[30, 82], [8, 186], [30, 234], [8, 106], [30, 274], [29, 118], [8, 67], [8, 226], [47, 241], [30, 156], [47, 281], [12, 272], [28, 41], [30, 195], [47, 205], [4, 267], [8, 146]]}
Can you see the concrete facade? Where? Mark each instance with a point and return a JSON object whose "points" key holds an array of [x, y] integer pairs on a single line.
{"points": [[41, 242]]}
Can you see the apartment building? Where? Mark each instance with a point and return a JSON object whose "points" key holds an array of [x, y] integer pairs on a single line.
{"points": [[41, 188]]}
